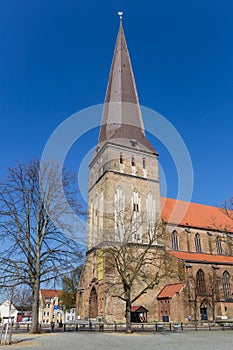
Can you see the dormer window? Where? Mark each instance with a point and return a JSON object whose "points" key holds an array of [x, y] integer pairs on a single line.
{"points": [[133, 143]]}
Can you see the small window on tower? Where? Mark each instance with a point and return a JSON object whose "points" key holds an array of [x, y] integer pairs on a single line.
{"points": [[133, 161], [121, 158], [144, 163]]}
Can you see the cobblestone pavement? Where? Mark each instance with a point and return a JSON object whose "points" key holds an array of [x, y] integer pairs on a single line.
{"points": [[213, 340]]}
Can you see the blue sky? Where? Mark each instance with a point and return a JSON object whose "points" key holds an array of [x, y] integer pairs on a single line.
{"points": [[55, 60]]}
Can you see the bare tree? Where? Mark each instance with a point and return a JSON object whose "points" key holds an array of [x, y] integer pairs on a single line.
{"points": [[34, 248], [19, 296], [69, 288], [137, 262]]}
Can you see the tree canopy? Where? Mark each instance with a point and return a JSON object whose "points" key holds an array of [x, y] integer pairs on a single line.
{"points": [[35, 246]]}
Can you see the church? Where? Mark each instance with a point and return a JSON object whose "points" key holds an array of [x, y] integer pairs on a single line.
{"points": [[124, 200]]}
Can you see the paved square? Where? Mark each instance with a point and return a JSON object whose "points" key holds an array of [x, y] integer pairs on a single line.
{"points": [[191, 340]]}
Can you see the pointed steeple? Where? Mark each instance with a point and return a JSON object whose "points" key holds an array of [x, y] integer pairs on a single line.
{"points": [[122, 117]]}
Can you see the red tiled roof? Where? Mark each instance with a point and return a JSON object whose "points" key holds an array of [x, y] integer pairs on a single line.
{"points": [[195, 215], [209, 258], [50, 293], [135, 308], [170, 290]]}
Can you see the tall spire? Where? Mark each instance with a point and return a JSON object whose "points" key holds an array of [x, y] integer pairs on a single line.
{"points": [[121, 113]]}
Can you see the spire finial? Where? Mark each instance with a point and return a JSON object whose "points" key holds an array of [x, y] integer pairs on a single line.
{"points": [[120, 14]]}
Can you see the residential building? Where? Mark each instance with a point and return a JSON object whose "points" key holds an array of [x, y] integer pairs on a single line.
{"points": [[50, 308], [8, 312]]}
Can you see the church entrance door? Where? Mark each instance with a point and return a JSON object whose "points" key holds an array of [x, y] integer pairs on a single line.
{"points": [[203, 312], [93, 304]]}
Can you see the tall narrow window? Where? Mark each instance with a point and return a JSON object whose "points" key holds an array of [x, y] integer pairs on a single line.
{"points": [[136, 225], [226, 285], [200, 282], [198, 243], [219, 245], [121, 158], [95, 219], [133, 166], [151, 216], [144, 163], [91, 223], [144, 166], [175, 243], [119, 215], [101, 212]]}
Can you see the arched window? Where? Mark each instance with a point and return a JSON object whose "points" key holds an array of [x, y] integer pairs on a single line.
{"points": [[119, 214], [200, 282], [101, 212], [151, 215], [136, 224], [135, 201], [219, 245], [121, 158], [226, 285], [133, 161], [197, 243], [95, 219], [144, 163], [175, 242], [133, 166]]}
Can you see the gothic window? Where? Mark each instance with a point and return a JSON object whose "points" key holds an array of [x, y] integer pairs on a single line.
{"points": [[133, 161], [200, 282], [144, 163], [101, 211], [136, 225], [121, 158], [226, 285], [219, 245], [95, 218], [133, 166], [144, 166], [119, 214], [150, 209], [198, 243], [135, 201], [175, 242]]}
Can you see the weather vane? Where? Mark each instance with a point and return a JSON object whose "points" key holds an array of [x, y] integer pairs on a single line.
{"points": [[120, 14]]}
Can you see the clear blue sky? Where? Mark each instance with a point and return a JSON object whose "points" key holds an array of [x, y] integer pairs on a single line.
{"points": [[55, 58]]}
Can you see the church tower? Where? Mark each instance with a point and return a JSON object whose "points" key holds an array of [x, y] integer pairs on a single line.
{"points": [[123, 182]]}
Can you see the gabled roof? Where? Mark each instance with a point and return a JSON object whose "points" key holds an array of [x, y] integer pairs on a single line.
{"points": [[195, 215], [139, 308], [201, 257], [50, 293], [170, 290], [122, 118]]}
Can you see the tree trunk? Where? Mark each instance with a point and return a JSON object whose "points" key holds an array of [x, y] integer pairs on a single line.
{"points": [[128, 311], [35, 307]]}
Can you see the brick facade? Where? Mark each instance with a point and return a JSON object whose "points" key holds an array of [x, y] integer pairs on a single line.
{"points": [[124, 181]]}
